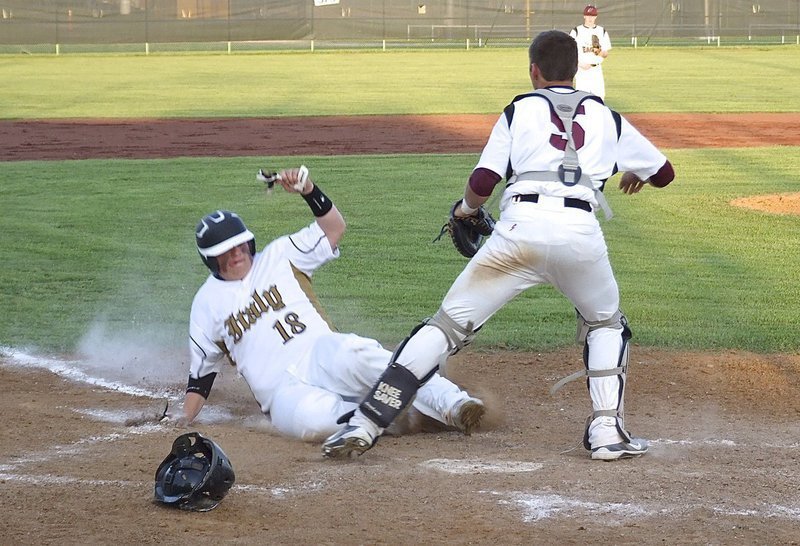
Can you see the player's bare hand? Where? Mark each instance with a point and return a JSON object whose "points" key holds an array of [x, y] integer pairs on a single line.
{"points": [[181, 421], [630, 183], [177, 419], [295, 180]]}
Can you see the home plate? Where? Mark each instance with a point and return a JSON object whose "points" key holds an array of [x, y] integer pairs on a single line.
{"points": [[456, 466]]}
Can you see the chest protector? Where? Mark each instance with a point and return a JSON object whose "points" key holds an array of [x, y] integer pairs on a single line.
{"points": [[569, 173]]}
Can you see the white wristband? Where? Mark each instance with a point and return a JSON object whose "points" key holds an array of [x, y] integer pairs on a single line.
{"points": [[466, 209]]}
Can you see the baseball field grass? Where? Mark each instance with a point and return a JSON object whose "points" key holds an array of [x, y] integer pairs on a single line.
{"points": [[110, 244], [709, 79]]}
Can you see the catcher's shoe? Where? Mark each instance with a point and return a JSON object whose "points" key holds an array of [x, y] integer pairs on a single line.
{"points": [[622, 450], [467, 415], [346, 442]]}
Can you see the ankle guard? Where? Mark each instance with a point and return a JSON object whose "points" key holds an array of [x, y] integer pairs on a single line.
{"points": [[395, 390]]}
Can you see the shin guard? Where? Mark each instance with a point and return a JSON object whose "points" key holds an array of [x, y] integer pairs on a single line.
{"points": [[394, 391], [622, 372]]}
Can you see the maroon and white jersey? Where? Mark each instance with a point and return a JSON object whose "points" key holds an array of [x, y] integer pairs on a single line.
{"points": [[604, 140]]}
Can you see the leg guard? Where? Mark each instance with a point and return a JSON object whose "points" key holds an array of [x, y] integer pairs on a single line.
{"points": [[616, 322], [395, 390], [397, 386], [621, 370], [390, 396], [584, 327]]}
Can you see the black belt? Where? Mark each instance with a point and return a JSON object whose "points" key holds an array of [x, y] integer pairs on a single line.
{"points": [[568, 201]]}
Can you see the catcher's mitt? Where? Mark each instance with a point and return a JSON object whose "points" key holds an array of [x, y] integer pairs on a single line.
{"points": [[467, 232]]}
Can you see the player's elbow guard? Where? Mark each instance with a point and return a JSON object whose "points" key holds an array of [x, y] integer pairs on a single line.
{"points": [[664, 176], [201, 385]]}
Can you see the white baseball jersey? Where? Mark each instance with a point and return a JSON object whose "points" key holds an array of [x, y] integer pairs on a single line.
{"points": [[583, 37], [590, 79], [549, 239], [272, 328], [266, 321]]}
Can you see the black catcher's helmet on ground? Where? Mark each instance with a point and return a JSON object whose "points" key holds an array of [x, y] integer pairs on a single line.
{"points": [[196, 475], [219, 232]]}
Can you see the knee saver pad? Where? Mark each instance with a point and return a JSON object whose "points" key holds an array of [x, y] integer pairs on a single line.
{"points": [[395, 390]]}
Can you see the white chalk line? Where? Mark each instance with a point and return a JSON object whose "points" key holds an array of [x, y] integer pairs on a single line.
{"points": [[539, 506], [77, 447], [49, 479], [719, 442], [211, 414], [69, 369]]}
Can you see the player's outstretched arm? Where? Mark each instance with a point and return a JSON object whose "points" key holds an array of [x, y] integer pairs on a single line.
{"points": [[333, 225], [192, 404]]}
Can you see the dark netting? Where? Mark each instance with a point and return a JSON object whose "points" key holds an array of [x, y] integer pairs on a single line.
{"points": [[420, 21]]}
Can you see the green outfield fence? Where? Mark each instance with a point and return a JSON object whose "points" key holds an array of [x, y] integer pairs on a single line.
{"points": [[63, 26]]}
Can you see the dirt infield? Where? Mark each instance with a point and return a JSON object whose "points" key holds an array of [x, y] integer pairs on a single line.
{"points": [[115, 139], [723, 467]]}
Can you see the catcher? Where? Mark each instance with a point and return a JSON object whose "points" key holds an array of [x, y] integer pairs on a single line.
{"points": [[594, 44], [547, 234]]}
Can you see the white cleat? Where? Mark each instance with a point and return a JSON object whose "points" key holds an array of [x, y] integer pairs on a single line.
{"points": [[346, 442], [622, 450]]}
